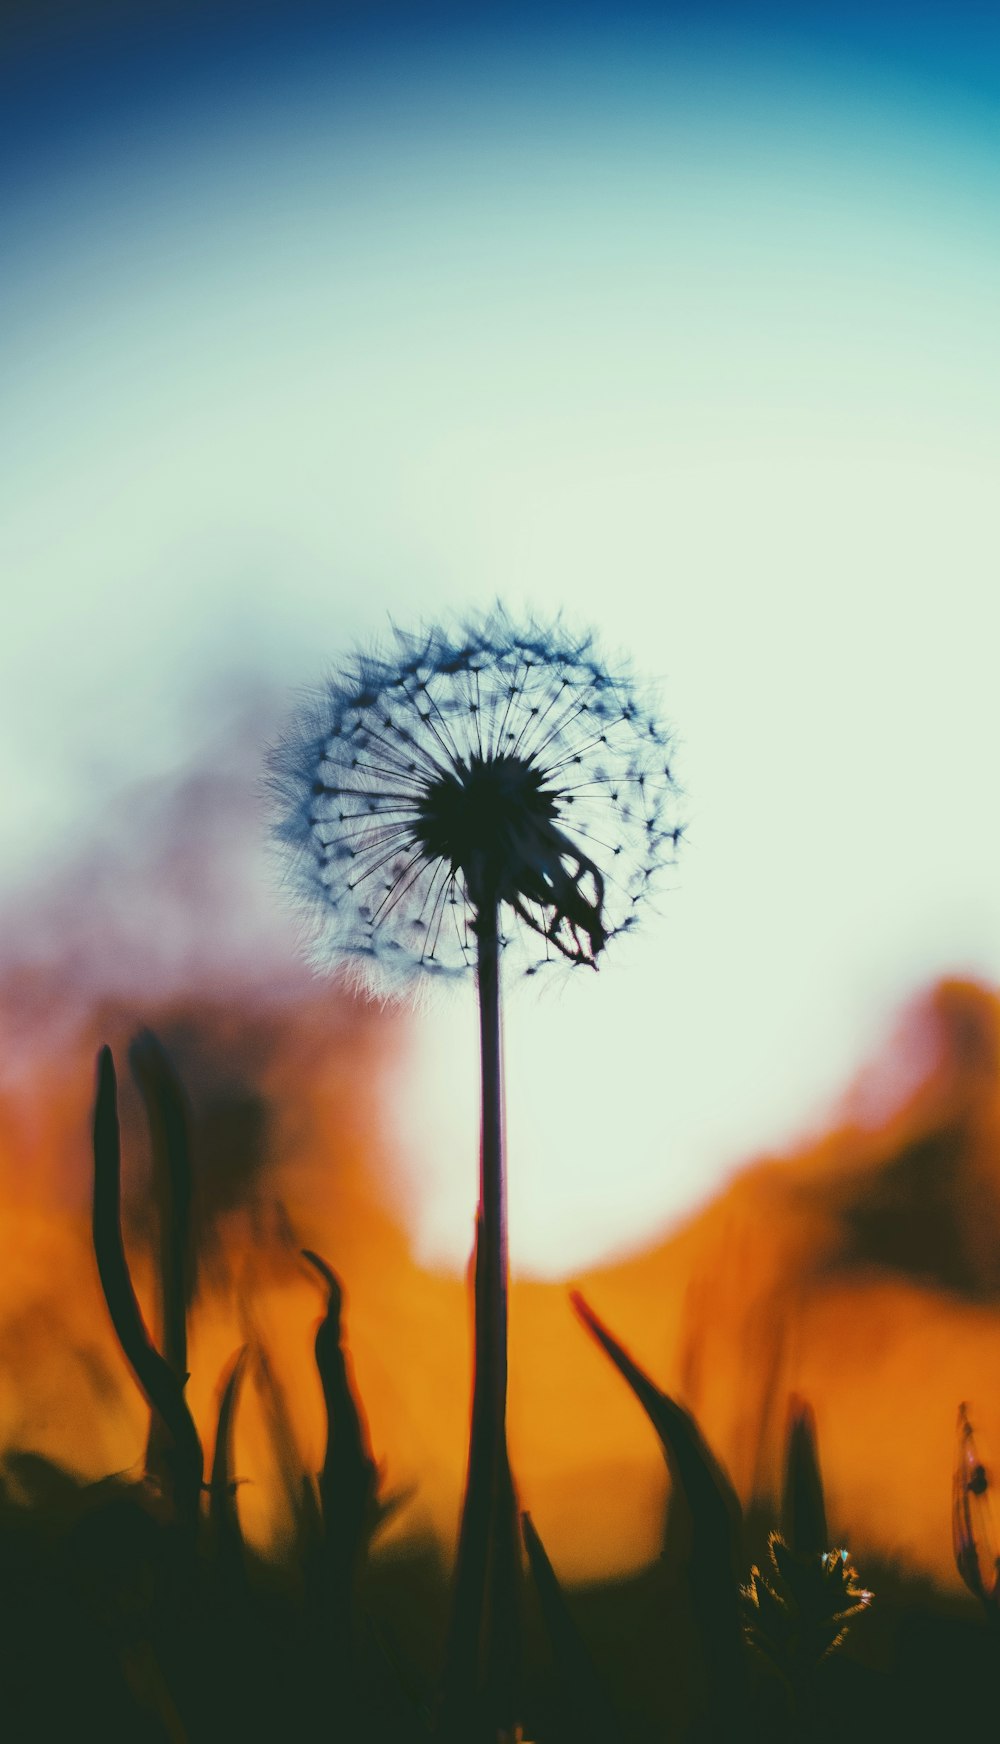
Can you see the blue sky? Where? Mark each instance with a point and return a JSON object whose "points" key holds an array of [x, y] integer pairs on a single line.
{"points": [[85, 71], [684, 325]]}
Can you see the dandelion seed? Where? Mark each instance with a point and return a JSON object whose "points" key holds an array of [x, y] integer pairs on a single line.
{"points": [[508, 766]]}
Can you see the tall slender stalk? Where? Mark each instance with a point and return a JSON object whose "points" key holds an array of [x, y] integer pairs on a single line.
{"points": [[491, 1335], [416, 794], [481, 1696], [500, 1648]]}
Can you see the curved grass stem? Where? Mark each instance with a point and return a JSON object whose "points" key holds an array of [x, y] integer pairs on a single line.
{"points": [[163, 1389]]}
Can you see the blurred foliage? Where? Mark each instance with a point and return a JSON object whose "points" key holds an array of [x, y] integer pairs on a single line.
{"points": [[134, 1610]]}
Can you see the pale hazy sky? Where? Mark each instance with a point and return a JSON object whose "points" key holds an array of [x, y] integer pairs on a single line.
{"points": [[703, 350]]}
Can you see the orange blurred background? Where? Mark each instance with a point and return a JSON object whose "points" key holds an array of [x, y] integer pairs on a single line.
{"points": [[862, 1272]]}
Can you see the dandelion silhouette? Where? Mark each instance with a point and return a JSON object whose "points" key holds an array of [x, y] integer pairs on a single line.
{"points": [[500, 792], [505, 767]]}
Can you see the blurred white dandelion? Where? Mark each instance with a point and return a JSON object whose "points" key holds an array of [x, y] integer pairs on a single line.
{"points": [[503, 765]]}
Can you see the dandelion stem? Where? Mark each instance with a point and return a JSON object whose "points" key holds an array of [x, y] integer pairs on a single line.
{"points": [[492, 1176], [482, 1673], [500, 1647]]}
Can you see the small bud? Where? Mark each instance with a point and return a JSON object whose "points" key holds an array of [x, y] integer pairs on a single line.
{"points": [[973, 1536]]}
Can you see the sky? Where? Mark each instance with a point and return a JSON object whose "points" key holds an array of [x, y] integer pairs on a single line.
{"points": [[682, 321]]}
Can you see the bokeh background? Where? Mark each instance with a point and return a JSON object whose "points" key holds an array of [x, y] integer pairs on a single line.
{"points": [[679, 320]]}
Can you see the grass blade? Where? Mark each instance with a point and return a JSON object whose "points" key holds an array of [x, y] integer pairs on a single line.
{"points": [[713, 1529], [166, 1116], [349, 1476], [161, 1387], [223, 1510], [590, 1713], [803, 1506]]}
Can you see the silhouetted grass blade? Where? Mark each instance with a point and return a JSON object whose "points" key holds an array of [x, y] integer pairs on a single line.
{"points": [[589, 1711], [160, 1385], [166, 1113], [223, 1509], [349, 1476], [714, 1528], [347, 1485], [166, 1116], [803, 1507]]}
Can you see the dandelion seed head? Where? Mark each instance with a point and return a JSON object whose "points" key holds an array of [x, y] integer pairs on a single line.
{"points": [[505, 767]]}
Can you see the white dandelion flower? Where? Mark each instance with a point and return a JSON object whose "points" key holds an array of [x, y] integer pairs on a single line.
{"points": [[502, 767], [497, 792]]}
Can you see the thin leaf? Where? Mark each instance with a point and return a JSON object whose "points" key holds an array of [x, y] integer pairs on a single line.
{"points": [[714, 1523], [589, 1710], [349, 1476], [166, 1116], [297, 1487], [160, 1385], [223, 1510], [803, 1508], [166, 1113]]}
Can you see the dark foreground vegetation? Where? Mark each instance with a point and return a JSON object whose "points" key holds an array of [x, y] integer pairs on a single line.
{"points": [[133, 1610]]}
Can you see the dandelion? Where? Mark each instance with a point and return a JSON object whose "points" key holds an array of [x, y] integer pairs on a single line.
{"points": [[456, 799], [501, 769]]}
